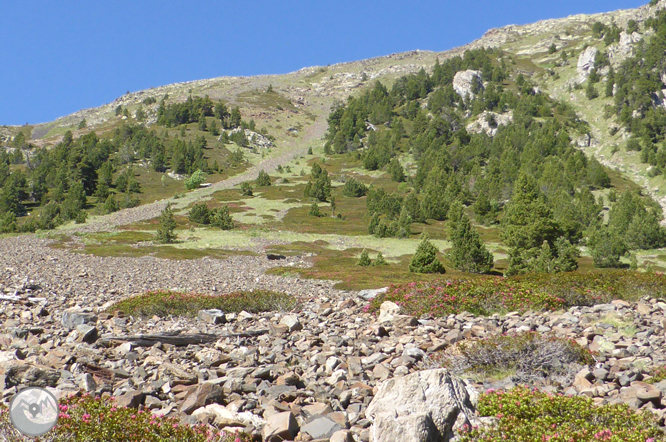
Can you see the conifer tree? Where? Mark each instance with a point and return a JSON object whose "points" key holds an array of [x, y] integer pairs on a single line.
{"points": [[167, 226], [425, 259], [468, 253], [364, 260]]}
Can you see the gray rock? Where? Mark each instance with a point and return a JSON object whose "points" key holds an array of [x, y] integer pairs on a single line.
{"points": [[321, 427], [292, 323], [424, 406], [87, 333], [466, 82], [371, 293], [75, 316], [280, 426], [212, 316]]}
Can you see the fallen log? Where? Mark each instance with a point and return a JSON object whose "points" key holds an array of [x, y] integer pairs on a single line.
{"points": [[175, 338]]}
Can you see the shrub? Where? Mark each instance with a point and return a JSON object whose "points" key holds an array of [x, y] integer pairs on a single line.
{"points": [[110, 205], [425, 259], [246, 189], [353, 188], [168, 303], [195, 180], [364, 260], [314, 211], [529, 415], [221, 218], [200, 214], [263, 179], [380, 261], [531, 356], [88, 419], [489, 294]]}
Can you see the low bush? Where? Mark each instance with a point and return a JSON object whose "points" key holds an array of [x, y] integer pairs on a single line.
{"points": [[528, 357], [488, 295], [168, 303], [531, 416], [196, 180], [88, 419]]}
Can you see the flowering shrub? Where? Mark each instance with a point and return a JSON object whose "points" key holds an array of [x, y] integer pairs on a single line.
{"points": [[487, 295], [165, 303], [88, 419], [531, 416], [531, 356]]}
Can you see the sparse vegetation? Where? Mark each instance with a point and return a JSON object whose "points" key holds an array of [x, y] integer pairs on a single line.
{"points": [[529, 415], [168, 303]]}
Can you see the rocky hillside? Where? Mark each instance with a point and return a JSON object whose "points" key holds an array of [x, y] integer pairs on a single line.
{"points": [[297, 116]]}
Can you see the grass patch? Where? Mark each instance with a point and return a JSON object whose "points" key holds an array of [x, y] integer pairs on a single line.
{"points": [[488, 295], [529, 415], [168, 303], [86, 419]]}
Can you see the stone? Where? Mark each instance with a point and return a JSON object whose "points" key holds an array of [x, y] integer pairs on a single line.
{"points": [[466, 82], [321, 427], [280, 426], [387, 311], [201, 395], [75, 316], [424, 406], [292, 323], [342, 436], [586, 63], [371, 293], [129, 399], [212, 316], [223, 417], [87, 333]]}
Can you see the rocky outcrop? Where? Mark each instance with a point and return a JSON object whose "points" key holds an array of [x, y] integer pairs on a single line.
{"points": [[256, 139], [465, 83], [586, 63], [425, 406], [488, 122]]}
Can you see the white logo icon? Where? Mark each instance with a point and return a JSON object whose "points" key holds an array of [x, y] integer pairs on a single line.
{"points": [[33, 411]]}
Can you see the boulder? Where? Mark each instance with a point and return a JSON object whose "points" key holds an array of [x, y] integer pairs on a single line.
{"points": [[466, 82], [424, 406], [212, 316], [201, 395], [292, 323], [586, 63], [223, 417], [321, 427], [280, 426], [76, 316]]}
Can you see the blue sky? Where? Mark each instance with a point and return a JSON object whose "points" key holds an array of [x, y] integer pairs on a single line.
{"points": [[61, 56]]}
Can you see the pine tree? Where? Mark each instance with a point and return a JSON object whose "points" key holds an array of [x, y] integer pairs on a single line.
{"points": [[263, 179], [221, 218], [380, 261], [364, 260], [314, 211], [468, 253], [167, 226], [425, 259]]}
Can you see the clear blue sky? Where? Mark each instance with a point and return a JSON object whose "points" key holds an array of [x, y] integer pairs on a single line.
{"points": [[61, 56]]}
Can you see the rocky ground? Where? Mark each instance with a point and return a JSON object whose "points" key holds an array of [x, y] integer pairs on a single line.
{"points": [[308, 374]]}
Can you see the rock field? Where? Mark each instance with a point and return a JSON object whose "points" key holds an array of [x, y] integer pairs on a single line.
{"points": [[308, 374]]}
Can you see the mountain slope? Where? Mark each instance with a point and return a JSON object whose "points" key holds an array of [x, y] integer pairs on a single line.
{"points": [[296, 117]]}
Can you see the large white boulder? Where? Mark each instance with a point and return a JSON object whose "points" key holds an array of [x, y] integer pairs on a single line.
{"points": [[466, 82], [425, 406], [586, 63]]}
